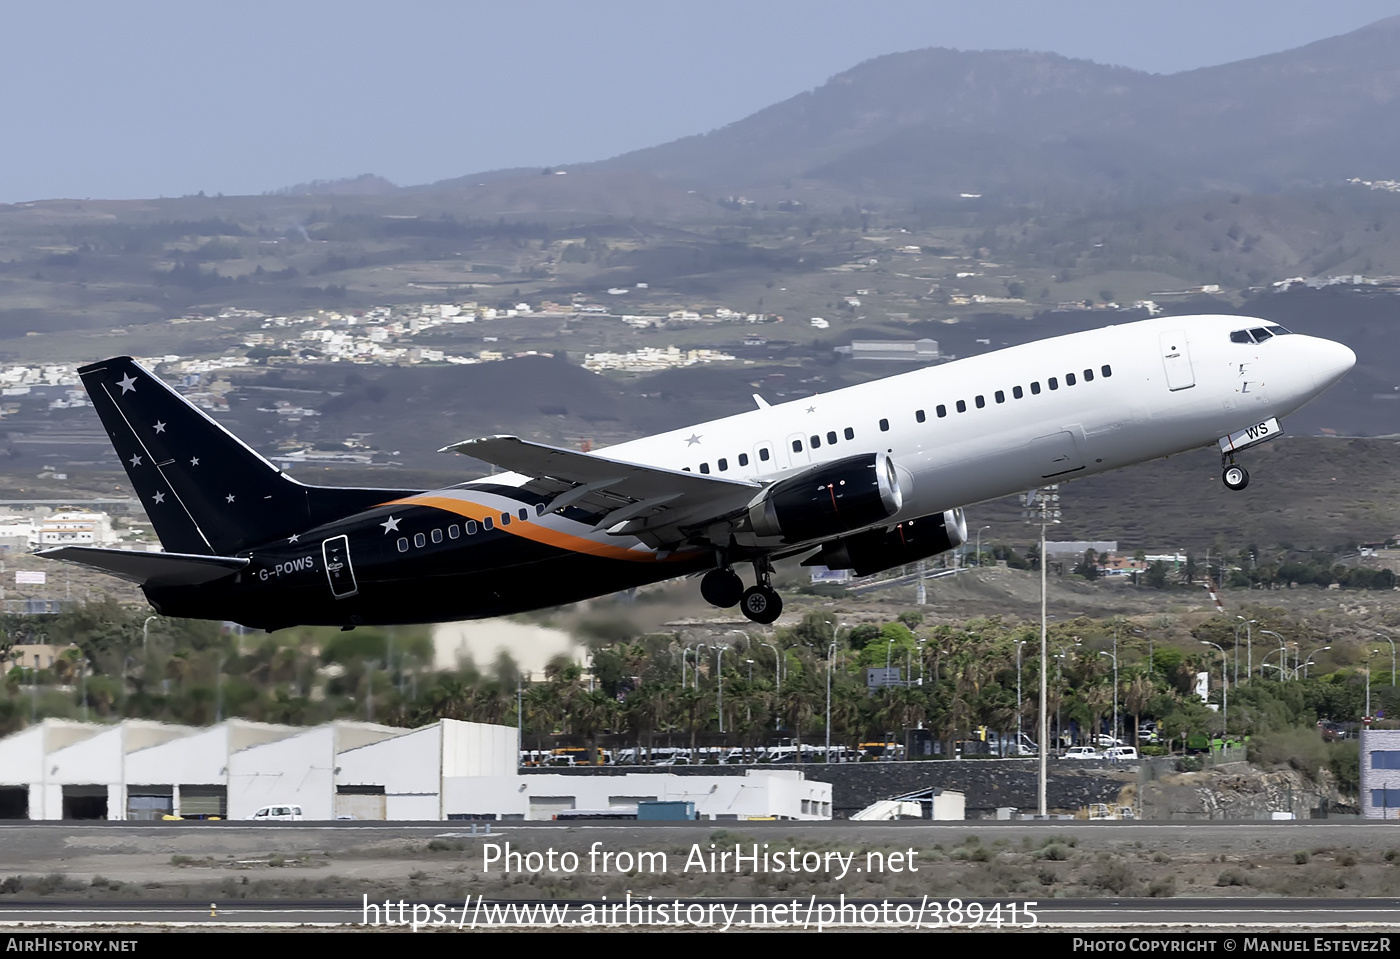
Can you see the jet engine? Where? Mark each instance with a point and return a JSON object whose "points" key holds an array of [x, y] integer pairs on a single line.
{"points": [[829, 500], [880, 549]]}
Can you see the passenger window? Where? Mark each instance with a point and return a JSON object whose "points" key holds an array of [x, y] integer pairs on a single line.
{"points": [[403, 544], [981, 402], [1069, 379], [1106, 370], [884, 426], [523, 513], [919, 416], [743, 459], [1240, 336], [815, 440], [505, 519], [1000, 396], [1035, 388], [850, 434], [471, 527], [1054, 383], [1088, 376], [486, 523], [797, 446], [831, 438], [1017, 392], [962, 406], [419, 540], [705, 468], [763, 454], [539, 509], [941, 410], [437, 536], [454, 532], [723, 464]]}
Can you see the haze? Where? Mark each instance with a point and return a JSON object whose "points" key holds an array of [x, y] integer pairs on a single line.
{"points": [[150, 99]]}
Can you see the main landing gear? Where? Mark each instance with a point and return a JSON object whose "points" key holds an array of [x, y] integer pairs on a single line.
{"points": [[722, 587], [1234, 477]]}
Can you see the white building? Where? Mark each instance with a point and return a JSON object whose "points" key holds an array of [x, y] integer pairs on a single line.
{"points": [[76, 528], [1380, 773], [136, 769]]}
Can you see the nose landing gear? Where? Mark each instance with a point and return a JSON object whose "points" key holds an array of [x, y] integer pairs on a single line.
{"points": [[1234, 477]]}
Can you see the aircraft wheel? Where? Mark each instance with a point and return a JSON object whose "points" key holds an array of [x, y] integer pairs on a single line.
{"points": [[722, 588], [1235, 477], [762, 604]]}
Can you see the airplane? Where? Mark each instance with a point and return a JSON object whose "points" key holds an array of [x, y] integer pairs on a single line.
{"points": [[865, 478]]}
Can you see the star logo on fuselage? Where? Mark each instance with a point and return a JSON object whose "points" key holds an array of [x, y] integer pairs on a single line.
{"points": [[127, 383], [391, 525], [693, 439], [194, 460]]}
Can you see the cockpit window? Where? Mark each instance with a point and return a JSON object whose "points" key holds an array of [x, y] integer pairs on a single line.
{"points": [[1241, 336], [1277, 330], [1260, 334]]}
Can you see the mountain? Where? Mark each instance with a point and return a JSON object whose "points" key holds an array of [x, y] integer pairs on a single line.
{"points": [[1037, 126]]}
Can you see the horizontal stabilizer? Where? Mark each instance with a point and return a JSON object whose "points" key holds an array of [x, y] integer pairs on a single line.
{"points": [[150, 569]]}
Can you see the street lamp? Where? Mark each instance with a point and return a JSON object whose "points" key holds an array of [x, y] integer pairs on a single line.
{"points": [[1018, 692], [1281, 645], [1249, 652], [830, 661], [777, 667], [719, 698], [1224, 690], [1392, 655], [979, 545], [145, 632], [1114, 654], [1309, 661], [1043, 504]]}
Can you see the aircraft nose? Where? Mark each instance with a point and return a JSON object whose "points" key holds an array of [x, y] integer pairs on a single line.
{"points": [[1330, 361]]}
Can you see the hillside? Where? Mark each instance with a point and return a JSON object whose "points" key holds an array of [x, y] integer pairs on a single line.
{"points": [[1031, 126]]}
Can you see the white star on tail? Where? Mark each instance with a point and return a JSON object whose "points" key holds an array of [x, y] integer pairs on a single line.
{"points": [[228, 498], [391, 525], [194, 460], [160, 427], [127, 383], [135, 460], [159, 497]]}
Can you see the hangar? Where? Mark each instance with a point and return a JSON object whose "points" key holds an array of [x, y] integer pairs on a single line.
{"points": [[142, 770]]}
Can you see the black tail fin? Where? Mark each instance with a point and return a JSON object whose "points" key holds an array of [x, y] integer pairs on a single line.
{"points": [[205, 491]]}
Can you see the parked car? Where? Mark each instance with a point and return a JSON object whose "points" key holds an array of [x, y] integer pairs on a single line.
{"points": [[1105, 741], [278, 814], [1121, 754], [1082, 752]]}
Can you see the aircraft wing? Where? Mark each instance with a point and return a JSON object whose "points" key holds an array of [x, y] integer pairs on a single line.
{"points": [[655, 504]]}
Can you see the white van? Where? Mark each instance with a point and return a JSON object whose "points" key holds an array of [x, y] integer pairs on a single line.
{"points": [[1120, 754], [1082, 752], [278, 814]]}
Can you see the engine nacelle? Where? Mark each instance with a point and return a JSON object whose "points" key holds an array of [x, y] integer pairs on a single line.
{"points": [[836, 498], [877, 550]]}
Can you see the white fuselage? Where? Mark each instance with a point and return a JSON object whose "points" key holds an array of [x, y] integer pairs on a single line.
{"points": [[989, 426]]}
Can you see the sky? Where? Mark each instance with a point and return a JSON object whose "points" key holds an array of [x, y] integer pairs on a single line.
{"points": [[148, 98]]}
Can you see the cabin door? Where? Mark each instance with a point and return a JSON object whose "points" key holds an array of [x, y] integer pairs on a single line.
{"points": [[336, 553]]}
